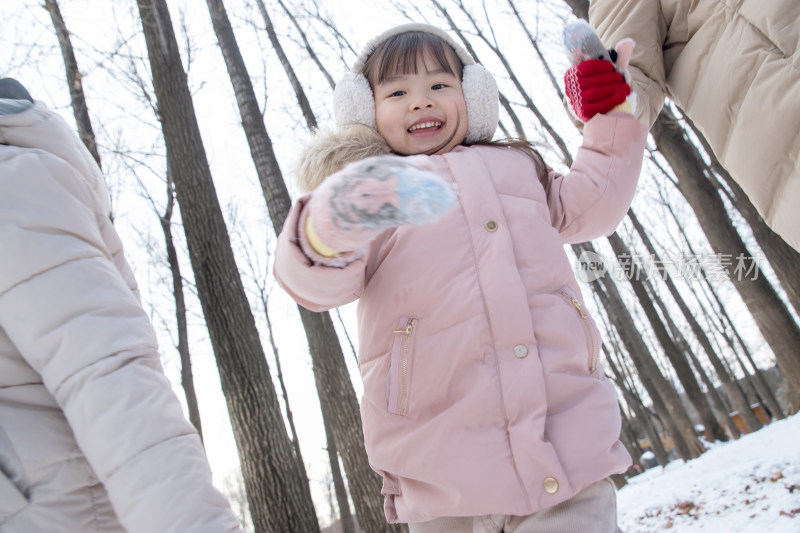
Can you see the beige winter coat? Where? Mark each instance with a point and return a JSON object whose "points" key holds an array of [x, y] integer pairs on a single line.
{"points": [[734, 67], [92, 437]]}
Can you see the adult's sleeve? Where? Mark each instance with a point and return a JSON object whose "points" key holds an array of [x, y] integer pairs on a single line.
{"points": [[77, 322], [644, 22]]}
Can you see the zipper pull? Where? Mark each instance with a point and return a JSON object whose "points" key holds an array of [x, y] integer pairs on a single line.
{"points": [[408, 329], [579, 307]]}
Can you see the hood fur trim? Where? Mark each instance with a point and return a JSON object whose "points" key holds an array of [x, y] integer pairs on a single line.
{"points": [[329, 151]]}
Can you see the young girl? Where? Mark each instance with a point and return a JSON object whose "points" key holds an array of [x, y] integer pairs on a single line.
{"points": [[485, 407]]}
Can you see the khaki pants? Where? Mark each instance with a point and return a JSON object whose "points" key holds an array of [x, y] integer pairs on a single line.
{"points": [[593, 510]]}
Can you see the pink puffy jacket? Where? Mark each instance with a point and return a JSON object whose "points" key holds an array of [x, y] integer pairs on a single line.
{"points": [[482, 388]]}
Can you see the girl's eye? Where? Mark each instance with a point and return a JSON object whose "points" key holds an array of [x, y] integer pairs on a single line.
{"points": [[397, 93], [438, 86]]}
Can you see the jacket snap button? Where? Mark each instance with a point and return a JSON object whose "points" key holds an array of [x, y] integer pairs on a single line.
{"points": [[550, 485], [490, 225], [520, 350]]}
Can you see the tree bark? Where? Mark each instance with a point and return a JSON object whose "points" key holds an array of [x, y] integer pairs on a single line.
{"points": [[781, 256], [302, 101], [311, 53], [337, 397], [769, 312], [187, 377], [664, 397], [734, 393], [74, 80], [725, 319], [675, 355], [279, 498], [642, 415], [345, 516]]}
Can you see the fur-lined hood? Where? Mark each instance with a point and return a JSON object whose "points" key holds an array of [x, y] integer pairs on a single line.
{"points": [[328, 151]]}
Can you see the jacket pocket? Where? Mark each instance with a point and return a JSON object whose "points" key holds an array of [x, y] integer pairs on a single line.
{"points": [[593, 340], [12, 500], [390, 490], [399, 367]]}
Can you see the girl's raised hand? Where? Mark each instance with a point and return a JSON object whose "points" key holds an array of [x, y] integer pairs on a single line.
{"points": [[353, 206], [596, 82]]}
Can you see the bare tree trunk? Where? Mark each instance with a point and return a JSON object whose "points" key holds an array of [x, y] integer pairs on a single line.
{"points": [[642, 416], [579, 7], [534, 43], [671, 350], [79, 108], [764, 388], [337, 397], [783, 258], [726, 380], [284, 393], [187, 378], [311, 53], [345, 516], [279, 498], [302, 101], [769, 312], [664, 397]]}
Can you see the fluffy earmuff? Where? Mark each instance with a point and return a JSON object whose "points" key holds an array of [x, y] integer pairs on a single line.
{"points": [[353, 101]]}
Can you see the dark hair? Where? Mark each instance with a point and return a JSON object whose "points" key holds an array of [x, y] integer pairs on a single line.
{"points": [[401, 54]]}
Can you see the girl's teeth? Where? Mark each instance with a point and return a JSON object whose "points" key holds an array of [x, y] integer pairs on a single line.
{"points": [[425, 125]]}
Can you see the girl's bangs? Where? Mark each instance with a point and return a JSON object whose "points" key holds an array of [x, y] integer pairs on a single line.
{"points": [[402, 54]]}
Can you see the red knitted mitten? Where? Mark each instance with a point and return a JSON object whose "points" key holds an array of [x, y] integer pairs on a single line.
{"points": [[593, 86]]}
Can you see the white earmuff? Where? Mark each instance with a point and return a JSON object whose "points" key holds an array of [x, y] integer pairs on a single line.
{"points": [[483, 107], [354, 103]]}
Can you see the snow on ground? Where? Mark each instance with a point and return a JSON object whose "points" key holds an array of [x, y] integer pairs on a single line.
{"points": [[749, 485]]}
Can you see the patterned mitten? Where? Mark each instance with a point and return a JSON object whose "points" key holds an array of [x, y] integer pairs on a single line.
{"points": [[596, 82], [363, 199], [14, 98]]}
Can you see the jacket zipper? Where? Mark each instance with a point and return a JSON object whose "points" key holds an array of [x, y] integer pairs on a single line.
{"points": [[585, 317], [401, 401]]}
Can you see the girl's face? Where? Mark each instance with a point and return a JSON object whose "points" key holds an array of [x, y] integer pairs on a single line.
{"points": [[422, 112]]}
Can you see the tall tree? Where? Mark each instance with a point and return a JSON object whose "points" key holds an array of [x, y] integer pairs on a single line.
{"points": [[187, 376], [770, 314], [74, 80], [675, 355], [781, 256], [665, 399], [727, 327], [734, 393], [335, 389], [279, 498]]}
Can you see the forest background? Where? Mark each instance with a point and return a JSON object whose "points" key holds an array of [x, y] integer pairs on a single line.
{"points": [[197, 118]]}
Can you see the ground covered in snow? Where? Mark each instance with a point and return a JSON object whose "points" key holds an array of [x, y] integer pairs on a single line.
{"points": [[749, 485]]}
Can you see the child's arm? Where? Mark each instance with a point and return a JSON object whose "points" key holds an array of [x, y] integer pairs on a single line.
{"points": [[319, 259], [592, 198]]}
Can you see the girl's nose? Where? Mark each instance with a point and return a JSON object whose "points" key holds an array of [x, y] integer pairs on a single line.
{"points": [[421, 102]]}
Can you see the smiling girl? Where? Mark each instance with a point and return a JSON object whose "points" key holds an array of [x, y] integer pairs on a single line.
{"points": [[485, 407]]}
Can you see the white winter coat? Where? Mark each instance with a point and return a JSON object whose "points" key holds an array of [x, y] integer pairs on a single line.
{"points": [[92, 437]]}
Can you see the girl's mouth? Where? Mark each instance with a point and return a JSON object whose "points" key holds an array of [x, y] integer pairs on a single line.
{"points": [[425, 129]]}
